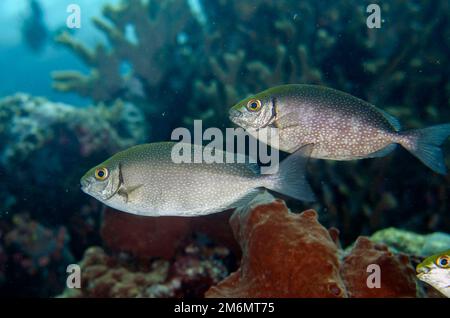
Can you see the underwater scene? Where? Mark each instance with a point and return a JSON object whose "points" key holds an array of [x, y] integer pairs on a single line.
{"points": [[224, 149]]}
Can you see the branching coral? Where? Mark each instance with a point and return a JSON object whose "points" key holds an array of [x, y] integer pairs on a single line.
{"points": [[365, 196], [103, 84], [141, 34], [210, 99]]}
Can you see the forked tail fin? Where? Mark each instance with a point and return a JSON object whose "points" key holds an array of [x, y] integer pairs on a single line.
{"points": [[425, 145]]}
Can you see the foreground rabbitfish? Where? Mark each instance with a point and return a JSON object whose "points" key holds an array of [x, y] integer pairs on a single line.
{"points": [[339, 125], [144, 180], [435, 270]]}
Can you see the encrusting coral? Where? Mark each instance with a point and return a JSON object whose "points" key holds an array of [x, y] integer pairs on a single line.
{"points": [[162, 237], [293, 255], [397, 276], [189, 274], [36, 246], [412, 243], [157, 256], [28, 124], [284, 255], [36, 254]]}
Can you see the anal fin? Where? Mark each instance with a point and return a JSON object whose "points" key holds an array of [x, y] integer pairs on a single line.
{"points": [[382, 152], [246, 198]]}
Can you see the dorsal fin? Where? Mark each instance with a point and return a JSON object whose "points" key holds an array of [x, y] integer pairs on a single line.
{"points": [[391, 119]]}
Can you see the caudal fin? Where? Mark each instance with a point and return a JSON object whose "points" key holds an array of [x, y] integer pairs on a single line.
{"points": [[290, 179], [425, 145]]}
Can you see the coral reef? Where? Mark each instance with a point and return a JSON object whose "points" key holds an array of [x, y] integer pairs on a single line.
{"points": [[293, 255], [397, 275], [190, 274], [132, 27], [284, 254], [157, 257], [37, 255], [47, 147], [230, 58], [166, 64], [28, 124], [165, 32], [36, 245], [149, 237], [412, 243]]}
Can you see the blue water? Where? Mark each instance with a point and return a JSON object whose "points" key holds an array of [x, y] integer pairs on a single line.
{"points": [[28, 71]]}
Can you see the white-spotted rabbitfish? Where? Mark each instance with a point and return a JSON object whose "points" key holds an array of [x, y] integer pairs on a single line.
{"points": [[145, 180], [339, 125]]}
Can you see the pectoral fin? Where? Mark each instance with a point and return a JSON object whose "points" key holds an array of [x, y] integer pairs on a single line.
{"points": [[127, 192], [287, 120]]}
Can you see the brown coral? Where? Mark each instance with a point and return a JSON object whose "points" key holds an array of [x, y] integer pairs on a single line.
{"points": [[284, 255], [293, 255], [148, 237], [397, 275]]}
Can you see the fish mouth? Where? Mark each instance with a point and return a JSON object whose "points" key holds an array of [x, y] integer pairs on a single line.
{"points": [[234, 115], [84, 185], [422, 270]]}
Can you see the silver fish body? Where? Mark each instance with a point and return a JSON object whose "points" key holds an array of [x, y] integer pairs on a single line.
{"points": [[339, 125], [145, 180]]}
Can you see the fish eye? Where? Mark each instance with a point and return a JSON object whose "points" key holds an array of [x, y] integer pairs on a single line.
{"points": [[254, 105], [101, 174], [443, 261]]}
